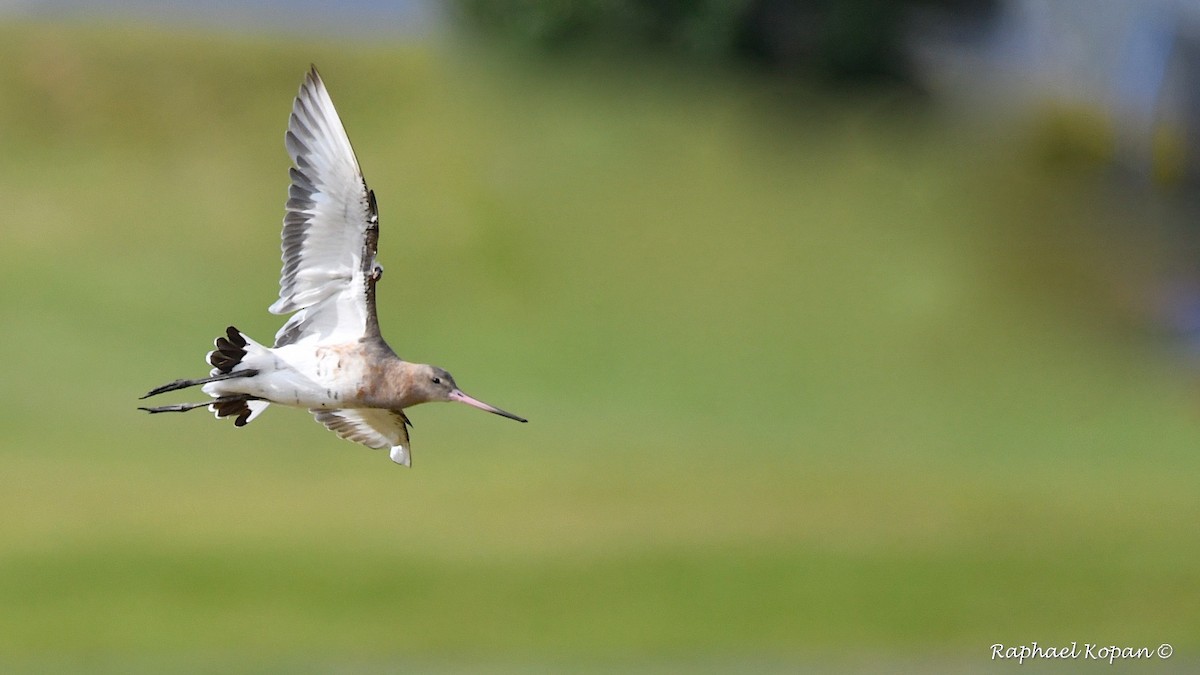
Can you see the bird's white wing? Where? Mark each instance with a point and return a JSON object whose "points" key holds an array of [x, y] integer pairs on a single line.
{"points": [[330, 231], [373, 427]]}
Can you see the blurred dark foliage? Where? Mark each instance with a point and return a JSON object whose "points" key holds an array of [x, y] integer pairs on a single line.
{"points": [[833, 39]]}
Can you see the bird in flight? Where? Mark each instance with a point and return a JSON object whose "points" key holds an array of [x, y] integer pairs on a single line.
{"points": [[329, 356]]}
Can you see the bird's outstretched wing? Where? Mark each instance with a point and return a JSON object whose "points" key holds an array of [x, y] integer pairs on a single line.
{"points": [[373, 427], [330, 231]]}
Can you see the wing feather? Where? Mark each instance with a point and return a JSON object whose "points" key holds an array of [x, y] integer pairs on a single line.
{"points": [[372, 427], [330, 229]]}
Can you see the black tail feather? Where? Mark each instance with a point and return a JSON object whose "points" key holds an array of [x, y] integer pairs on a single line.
{"points": [[231, 406], [229, 352], [230, 349], [235, 336]]}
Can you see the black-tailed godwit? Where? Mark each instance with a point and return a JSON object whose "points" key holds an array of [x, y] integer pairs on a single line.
{"points": [[329, 357]]}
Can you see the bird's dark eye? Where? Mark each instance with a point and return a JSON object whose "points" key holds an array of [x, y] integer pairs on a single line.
{"points": [[437, 380]]}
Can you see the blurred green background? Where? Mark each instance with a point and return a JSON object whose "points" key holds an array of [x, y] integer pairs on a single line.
{"points": [[818, 377]]}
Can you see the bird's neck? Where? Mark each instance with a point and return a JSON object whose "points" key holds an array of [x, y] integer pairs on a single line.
{"points": [[394, 384]]}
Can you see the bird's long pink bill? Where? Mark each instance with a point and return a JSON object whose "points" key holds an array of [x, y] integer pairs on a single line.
{"points": [[457, 395]]}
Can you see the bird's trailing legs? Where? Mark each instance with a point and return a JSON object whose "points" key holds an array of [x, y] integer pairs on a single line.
{"points": [[184, 384], [177, 407], [237, 406], [221, 403], [225, 405]]}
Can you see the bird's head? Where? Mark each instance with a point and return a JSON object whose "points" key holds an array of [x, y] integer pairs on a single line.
{"points": [[435, 384]]}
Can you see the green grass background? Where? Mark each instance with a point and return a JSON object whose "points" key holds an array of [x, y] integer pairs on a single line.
{"points": [[813, 377]]}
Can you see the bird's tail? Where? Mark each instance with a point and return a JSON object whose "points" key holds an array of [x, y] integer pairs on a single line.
{"points": [[235, 353], [229, 352], [227, 361]]}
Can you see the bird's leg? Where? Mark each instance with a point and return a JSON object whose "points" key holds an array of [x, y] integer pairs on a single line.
{"points": [[178, 407], [184, 407], [184, 384]]}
